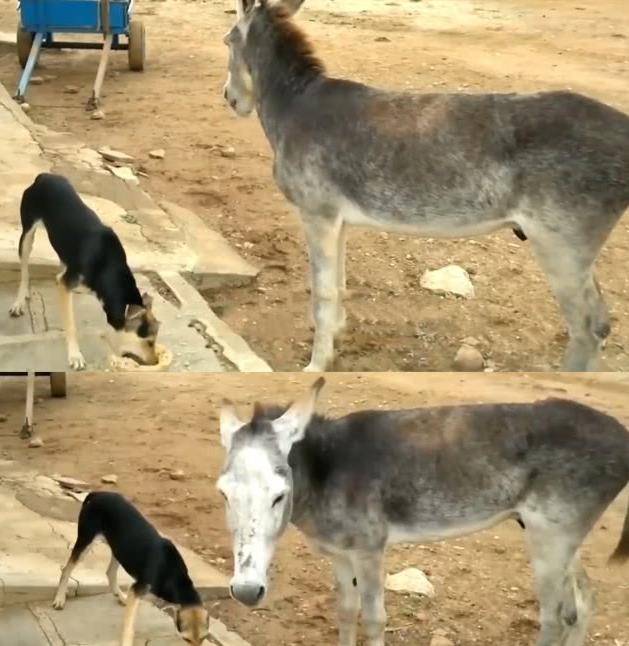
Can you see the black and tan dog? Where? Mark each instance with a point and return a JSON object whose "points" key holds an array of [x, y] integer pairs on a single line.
{"points": [[91, 256], [152, 560]]}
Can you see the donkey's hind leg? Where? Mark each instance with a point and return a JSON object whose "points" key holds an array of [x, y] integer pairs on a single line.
{"points": [[324, 236], [348, 599], [369, 569], [558, 577], [569, 268], [577, 604]]}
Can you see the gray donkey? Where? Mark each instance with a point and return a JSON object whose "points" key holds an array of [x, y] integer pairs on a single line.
{"points": [[553, 166], [355, 484]]}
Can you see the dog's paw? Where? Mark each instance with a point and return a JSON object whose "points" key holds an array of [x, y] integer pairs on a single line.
{"points": [[17, 309], [59, 603], [122, 598], [76, 361]]}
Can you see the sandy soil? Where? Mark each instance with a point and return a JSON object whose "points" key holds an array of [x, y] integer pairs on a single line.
{"points": [[506, 45], [142, 427]]}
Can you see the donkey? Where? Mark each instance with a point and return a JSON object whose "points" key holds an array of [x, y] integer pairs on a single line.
{"points": [[355, 484], [553, 166]]}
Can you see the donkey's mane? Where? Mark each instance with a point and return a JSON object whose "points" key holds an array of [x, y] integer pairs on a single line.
{"points": [[292, 38]]}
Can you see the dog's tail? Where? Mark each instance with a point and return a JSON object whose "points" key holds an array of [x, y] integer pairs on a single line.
{"points": [[621, 553], [29, 211]]}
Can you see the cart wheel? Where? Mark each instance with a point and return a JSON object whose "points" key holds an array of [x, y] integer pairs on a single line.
{"points": [[58, 384], [24, 44], [137, 46]]}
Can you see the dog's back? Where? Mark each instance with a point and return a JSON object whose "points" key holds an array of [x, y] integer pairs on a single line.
{"points": [[134, 542], [52, 200]]}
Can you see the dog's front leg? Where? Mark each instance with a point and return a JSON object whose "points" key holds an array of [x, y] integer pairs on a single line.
{"points": [[75, 358], [135, 594]]}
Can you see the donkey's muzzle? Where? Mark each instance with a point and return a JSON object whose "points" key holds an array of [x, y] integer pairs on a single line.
{"points": [[248, 593]]}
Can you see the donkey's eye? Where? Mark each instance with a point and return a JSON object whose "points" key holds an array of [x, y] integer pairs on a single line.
{"points": [[278, 500]]}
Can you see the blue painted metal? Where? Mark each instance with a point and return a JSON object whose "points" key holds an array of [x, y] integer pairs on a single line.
{"points": [[30, 66], [73, 16]]}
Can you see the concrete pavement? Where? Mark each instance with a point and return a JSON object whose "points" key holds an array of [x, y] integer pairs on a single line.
{"points": [[36, 537], [158, 238]]}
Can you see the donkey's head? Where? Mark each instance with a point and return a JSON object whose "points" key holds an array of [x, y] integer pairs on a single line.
{"points": [[257, 485], [239, 89]]}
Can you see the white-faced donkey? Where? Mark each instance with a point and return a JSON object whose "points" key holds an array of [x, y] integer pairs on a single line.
{"points": [[553, 166], [355, 484]]}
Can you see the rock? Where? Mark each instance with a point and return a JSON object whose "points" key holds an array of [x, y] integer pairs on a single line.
{"points": [[25, 107], [3, 418], [112, 478], [36, 443], [71, 89], [36, 80], [448, 280], [124, 173], [410, 580], [114, 155], [98, 115], [382, 39], [177, 475], [228, 151], [469, 359], [160, 153], [71, 483], [440, 640]]}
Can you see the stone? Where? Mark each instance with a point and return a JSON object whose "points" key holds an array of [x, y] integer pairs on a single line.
{"points": [[98, 115], [36, 443], [228, 151], [36, 80], [25, 107], [440, 640], [411, 580], [124, 173], [3, 418], [177, 475], [451, 279], [160, 153], [71, 89], [71, 483], [114, 155], [469, 359], [111, 478]]}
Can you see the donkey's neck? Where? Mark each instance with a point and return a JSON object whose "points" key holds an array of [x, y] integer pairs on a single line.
{"points": [[283, 66]]}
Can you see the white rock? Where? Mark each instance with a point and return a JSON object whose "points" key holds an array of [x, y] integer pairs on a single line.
{"points": [[98, 115], [25, 106], [36, 443], [448, 280], [114, 155], [410, 580], [469, 359], [124, 173], [160, 153], [112, 478]]}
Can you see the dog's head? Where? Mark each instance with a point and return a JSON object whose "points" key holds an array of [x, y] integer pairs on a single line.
{"points": [[136, 339], [193, 624]]}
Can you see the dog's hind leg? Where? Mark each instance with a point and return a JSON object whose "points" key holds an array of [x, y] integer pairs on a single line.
{"points": [[324, 235], [23, 292], [134, 596], [112, 578], [75, 358]]}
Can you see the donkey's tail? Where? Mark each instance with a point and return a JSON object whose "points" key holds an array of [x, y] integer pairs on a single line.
{"points": [[621, 553]]}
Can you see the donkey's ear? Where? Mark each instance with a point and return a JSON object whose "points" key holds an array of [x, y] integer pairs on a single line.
{"points": [[229, 423], [243, 7], [291, 426], [291, 6]]}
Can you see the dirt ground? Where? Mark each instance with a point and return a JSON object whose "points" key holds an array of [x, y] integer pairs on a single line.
{"points": [[449, 45], [143, 427]]}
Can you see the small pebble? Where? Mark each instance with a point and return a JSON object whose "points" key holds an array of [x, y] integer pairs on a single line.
{"points": [[228, 151], [3, 418], [160, 153], [71, 89], [112, 478], [37, 80], [177, 475], [36, 443], [25, 106]]}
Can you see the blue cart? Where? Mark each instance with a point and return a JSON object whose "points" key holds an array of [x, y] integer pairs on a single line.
{"points": [[40, 20]]}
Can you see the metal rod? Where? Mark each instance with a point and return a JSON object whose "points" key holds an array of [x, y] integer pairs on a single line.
{"points": [[105, 18], [29, 67], [100, 74], [27, 429], [77, 45]]}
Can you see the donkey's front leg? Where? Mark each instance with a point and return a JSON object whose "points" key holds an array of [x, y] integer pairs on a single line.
{"points": [[369, 570], [323, 235], [348, 600]]}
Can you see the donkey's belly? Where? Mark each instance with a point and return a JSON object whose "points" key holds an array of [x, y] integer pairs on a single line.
{"points": [[436, 530], [437, 225]]}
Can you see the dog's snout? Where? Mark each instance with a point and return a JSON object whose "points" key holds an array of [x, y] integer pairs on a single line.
{"points": [[248, 593]]}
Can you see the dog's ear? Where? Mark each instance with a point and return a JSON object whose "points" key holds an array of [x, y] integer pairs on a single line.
{"points": [[147, 301], [134, 312]]}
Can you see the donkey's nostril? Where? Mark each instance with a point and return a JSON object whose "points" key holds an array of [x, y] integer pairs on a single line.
{"points": [[233, 103], [261, 592]]}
